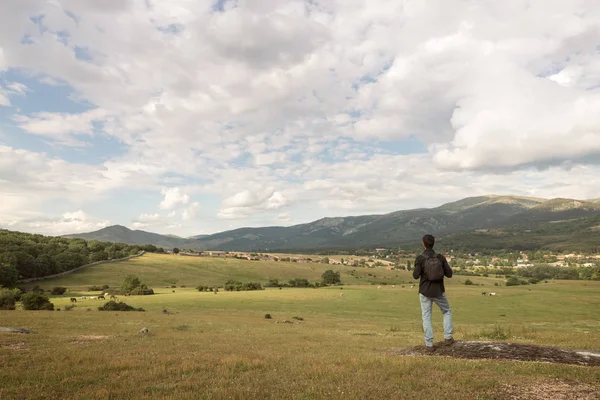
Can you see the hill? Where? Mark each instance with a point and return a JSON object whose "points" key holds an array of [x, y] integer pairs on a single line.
{"points": [[121, 234], [384, 230], [580, 234]]}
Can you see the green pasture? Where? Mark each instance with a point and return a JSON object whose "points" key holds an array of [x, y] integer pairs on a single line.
{"points": [[220, 345]]}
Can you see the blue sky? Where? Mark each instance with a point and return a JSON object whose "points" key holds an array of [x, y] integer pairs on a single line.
{"points": [[197, 117]]}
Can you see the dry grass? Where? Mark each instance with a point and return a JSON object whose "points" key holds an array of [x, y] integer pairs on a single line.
{"points": [[221, 346]]}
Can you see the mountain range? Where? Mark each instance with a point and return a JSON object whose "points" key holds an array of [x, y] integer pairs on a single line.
{"points": [[457, 221]]}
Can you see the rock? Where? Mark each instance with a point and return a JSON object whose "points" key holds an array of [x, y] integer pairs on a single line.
{"points": [[144, 331], [15, 330]]}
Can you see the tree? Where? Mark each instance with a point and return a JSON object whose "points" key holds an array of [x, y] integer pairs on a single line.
{"points": [[175, 250], [130, 283], [331, 277], [8, 275]]}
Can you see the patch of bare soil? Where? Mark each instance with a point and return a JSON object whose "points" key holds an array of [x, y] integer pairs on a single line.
{"points": [[82, 339], [14, 330], [554, 390], [13, 346], [506, 351]]}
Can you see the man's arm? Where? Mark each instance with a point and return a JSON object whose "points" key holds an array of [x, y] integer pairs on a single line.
{"points": [[418, 271], [447, 269]]}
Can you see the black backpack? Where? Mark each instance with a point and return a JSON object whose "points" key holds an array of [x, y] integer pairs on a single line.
{"points": [[433, 268]]}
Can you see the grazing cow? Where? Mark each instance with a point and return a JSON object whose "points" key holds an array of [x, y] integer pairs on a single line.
{"points": [[73, 300], [378, 287], [127, 294], [83, 297], [483, 293], [492, 294], [101, 298], [94, 298], [341, 294]]}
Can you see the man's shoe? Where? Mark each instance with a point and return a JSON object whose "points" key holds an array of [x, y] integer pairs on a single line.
{"points": [[448, 342], [429, 349]]}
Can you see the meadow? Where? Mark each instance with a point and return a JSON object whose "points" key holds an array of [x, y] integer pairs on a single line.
{"points": [[221, 346]]}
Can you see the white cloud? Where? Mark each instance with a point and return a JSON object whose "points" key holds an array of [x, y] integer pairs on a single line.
{"points": [[174, 197], [248, 202], [271, 103], [149, 217], [190, 212]]}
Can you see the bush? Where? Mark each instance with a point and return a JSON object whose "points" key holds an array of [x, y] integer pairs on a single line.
{"points": [[37, 289], [114, 306], [8, 298], [97, 288], [36, 301], [268, 316], [299, 282], [203, 288], [58, 290], [298, 318], [142, 292], [468, 282], [236, 286], [512, 281]]}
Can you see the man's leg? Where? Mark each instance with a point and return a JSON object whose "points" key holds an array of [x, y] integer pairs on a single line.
{"points": [[426, 313], [444, 306]]}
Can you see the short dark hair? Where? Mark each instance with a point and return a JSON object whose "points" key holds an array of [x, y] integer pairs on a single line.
{"points": [[428, 241]]}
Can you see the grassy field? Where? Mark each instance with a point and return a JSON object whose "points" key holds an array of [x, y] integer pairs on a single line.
{"points": [[221, 346]]}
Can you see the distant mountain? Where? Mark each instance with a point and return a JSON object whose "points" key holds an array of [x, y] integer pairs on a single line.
{"points": [[555, 210], [121, 234], [198, 237], [385, 230], [581, 234]]}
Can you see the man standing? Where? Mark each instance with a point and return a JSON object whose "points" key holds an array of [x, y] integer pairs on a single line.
{"points": [[431, 268]]}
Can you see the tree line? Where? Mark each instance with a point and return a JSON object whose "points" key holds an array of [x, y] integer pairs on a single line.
{"points": [[25, 255]]}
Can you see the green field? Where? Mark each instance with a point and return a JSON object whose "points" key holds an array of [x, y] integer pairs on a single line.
{"points": [[221, 346]]}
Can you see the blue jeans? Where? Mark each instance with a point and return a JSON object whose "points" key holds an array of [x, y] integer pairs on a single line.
{"points": [[426, 304]]}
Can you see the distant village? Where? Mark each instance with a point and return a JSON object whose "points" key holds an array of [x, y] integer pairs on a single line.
{"points": [[399, 259]]}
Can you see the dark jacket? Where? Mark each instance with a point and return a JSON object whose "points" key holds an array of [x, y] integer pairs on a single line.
{"points": [[430, 288]]}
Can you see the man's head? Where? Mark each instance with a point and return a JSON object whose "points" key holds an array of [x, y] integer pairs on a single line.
{"points": [[428, 242]]}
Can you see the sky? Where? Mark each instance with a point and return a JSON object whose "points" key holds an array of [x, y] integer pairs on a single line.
{"points": [[197, 116]]}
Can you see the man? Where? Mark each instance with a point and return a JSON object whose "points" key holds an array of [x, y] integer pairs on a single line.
{"points": [[431, 268]]}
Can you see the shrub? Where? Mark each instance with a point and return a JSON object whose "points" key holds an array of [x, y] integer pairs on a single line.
{"points": [[512, 281], [533, 281], [114, 306], [37, 289], [203, 288], [36, 301], [298, 318], [142, 291], [232, 285], [8, 298], [268, 316], [97, 288], [272, 283], [58, 290], [468, 282]]}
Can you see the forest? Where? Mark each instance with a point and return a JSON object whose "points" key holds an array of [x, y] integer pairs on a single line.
{"points": [[25, 255]]}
